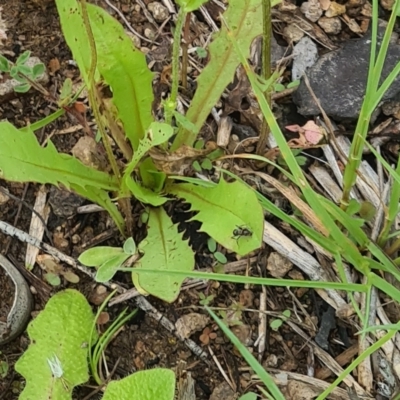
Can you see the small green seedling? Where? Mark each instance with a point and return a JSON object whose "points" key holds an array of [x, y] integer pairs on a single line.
{"points": [[212, 247], [108, 260], [21, 72], [277, 323], [205, 301]]}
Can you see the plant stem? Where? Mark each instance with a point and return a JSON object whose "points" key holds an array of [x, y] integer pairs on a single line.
{"points": [[93, 93], [175, 65], [266, 69], [185, 56]]}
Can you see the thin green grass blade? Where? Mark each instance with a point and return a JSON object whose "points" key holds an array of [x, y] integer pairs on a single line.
{"points": [[250, 359], [353, 287], [376, 346]]}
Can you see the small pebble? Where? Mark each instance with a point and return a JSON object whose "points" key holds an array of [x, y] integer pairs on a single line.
{"points": [[335, 9], [149, 33], [331, 26], [160, 13], [312, 10]]}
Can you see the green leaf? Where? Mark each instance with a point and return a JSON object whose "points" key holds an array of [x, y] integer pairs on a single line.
{"points": [[196, 166], [4, 64], [233, 205], [125, 69], [98, 255], [23, 58], [75, 35], [59, 331], [221, 258], [190, 5], [201, 52], [151, 177], [22, 159], [353, 207], [158, 133], [103, 199], [66, 89], [24, 69], [144, 195], [52, 279], [4, 367], [275, 324], [245, 19], [14, 71], [163, 249], [183, 122], [23, 88], [249, 396], [207, 164], [278, 87], [37, 70], [293, 84], [212, 245], [153, 384], [107, 270], [130, 246]]}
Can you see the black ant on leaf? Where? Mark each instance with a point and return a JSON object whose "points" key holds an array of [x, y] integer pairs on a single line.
{"points": [[241, 231]]}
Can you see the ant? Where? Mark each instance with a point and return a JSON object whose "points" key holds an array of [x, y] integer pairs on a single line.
{"points": [[241, 231]]}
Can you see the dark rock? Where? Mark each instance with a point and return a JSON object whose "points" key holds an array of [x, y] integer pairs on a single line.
{"points": [[339, 79]]}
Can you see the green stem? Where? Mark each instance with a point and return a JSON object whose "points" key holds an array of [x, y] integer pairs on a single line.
{"points": [[266, 70], [175, 66], [93, 95]]}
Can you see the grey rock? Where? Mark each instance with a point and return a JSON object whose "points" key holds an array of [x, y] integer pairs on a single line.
{"points": [[339, 79], [305, 55]]}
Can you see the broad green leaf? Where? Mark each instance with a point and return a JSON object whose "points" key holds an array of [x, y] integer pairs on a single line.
{"points": [[144, 195], [245, 19], [75, 34], [60, 332], [102, 198], [151, 177], [158, 133], [98, 255], [190, 5], [163, 249], [130, 246], [224, 208], [125, 69], [107, 270], [153, 384], [22, 159]]}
